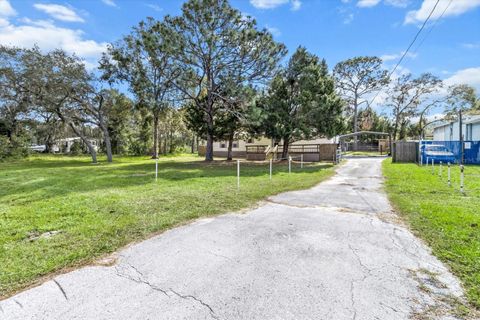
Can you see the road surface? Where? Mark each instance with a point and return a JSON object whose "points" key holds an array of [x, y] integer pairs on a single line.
{"points": [[335, 251]]}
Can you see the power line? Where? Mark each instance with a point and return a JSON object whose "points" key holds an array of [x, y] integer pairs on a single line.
{"points": [[433, 26], [410, 46]]}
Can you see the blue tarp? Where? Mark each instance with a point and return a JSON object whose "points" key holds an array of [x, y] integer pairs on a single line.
{"points": [[447, 150]]}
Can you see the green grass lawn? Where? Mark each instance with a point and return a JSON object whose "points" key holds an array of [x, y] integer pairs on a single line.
{"points": [[95, 209], [446, 219]]}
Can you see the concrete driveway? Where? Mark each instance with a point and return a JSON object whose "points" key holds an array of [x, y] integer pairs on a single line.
{"points": [[336, 251]]}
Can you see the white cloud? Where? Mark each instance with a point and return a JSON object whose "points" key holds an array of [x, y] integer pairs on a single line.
{"points": [[110, 3], [471, 45], [367, 3], [373, 3], [270, 4], [59, 12], [348, 18], [398, 3], [48, 36], [6, 9], [456, 7], [154, 7], [275, 31], [390, 57], [296, 4], [470, 76]]}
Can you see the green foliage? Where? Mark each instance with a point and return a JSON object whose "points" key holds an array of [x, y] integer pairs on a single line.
{"points": [[76, 148], [301, 101], [13, 148], [98, 209], [356, 79], [446, 219], [237, 54]]}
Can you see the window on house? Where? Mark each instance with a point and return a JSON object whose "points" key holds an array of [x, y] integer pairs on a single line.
{"points": [[223, 145], [235, 144], [250, 140], [469, 132]]}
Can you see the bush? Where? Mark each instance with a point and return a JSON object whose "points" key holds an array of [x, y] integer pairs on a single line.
{"points": [[77, 148], [13, 148]]}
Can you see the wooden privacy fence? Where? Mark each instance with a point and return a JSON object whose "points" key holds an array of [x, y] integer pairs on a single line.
{"points": [[405, 151], [310, 152]]}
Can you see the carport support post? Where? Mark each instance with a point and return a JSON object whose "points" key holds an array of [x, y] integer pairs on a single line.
{"points": [[289, 164], [301, 161], [238, 174], [461, 178], [449, 175], [271, 163], [156, 169]]}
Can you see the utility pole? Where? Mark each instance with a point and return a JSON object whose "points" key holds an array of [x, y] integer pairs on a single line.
{"points": [[462, 147]]}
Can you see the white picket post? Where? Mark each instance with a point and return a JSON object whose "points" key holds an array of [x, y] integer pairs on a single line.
{"points": [[433, 167], [156, 169], [301, 161], [238, 174], [461, 178], [440, 170], [289, 164], [420, 152], [449, 176], [271, 163], [426, 163]]}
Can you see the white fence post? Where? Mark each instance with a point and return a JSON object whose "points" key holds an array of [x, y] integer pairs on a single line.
{"points": [[461, 178], [420, 152], [449, 176], [301, 161], [156, 169], [271, 169], [289, 164], [433, 167], [440, 170], [238, 174], [426, 163]]}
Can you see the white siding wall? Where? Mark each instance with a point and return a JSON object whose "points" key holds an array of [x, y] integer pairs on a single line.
{"points": [[476, 131], [450, 132]]}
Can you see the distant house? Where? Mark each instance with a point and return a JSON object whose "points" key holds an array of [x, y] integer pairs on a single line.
{"points": [[257, 149], [64, 145], [450, 131]]}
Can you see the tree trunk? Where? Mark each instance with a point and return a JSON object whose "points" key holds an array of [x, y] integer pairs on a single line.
{"points": [[355, 125], [106, 136], [193, 144], [90, 147], [209, 147], [48, 144], [155, 135], [108, 144], [286, 143], [165, 142], [230, 147]]}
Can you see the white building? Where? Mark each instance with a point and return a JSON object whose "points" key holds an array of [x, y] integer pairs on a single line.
{"points": [[450, 131]]}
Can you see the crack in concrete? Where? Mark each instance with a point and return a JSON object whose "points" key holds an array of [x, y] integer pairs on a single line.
{"points": [[17, 302], [341, 209], [61, 289], [141, 280]]}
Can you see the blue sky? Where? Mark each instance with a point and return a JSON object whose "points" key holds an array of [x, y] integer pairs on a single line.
{"points": [[332, 29]]}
